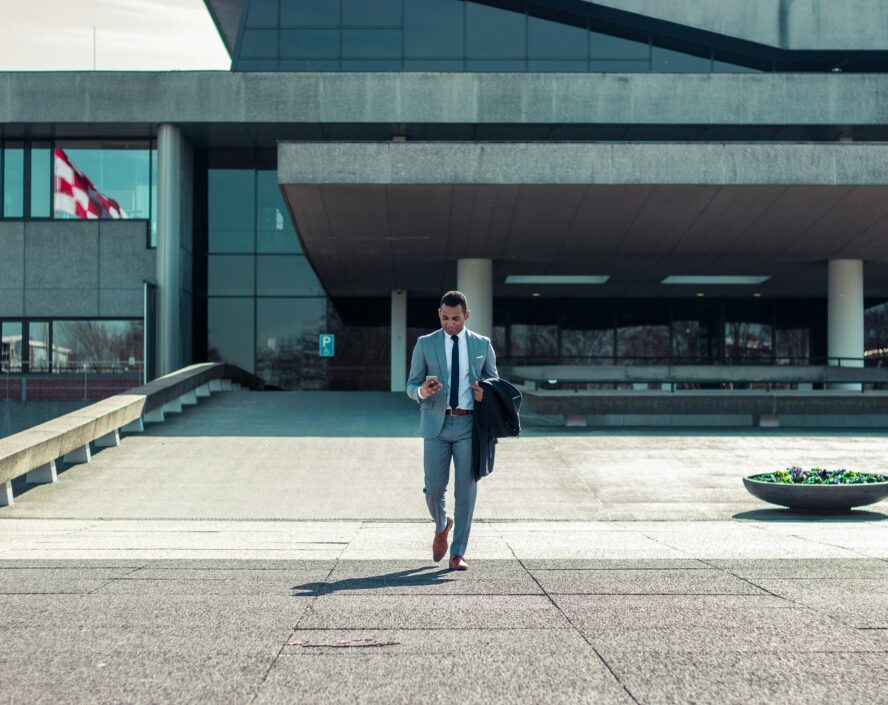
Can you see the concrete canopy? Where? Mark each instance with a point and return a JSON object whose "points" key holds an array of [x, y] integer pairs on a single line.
{"points": [[376, 217]]}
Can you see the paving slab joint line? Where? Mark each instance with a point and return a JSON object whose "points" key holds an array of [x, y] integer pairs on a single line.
{"points": [[289, 637], [575, 628], [111, 580], [809, 608]]}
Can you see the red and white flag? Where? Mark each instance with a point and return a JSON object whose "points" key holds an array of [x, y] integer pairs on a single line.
{"points": [[76, 195]]}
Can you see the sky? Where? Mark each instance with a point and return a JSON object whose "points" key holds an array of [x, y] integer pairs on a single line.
{"points": [[130, 35]]}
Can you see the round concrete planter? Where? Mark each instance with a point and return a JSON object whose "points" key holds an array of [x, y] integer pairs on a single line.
{"points": [[824, 498]]}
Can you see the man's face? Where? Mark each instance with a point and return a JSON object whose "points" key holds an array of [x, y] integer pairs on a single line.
{"points": [[453, 320]]}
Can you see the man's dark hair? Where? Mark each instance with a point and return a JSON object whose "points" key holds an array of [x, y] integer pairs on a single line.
{"points": [[455, 298]]}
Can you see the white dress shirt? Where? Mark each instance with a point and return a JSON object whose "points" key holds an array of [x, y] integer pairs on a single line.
{"points": [[466, 400]]}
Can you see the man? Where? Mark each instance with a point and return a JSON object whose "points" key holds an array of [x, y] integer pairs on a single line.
{"points": [[444, 375]]}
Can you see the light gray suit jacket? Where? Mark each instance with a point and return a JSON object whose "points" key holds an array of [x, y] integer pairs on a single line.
{"points": [[429, 359]]}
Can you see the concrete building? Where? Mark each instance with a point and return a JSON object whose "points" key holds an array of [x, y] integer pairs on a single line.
{"points": [[614, 182]]}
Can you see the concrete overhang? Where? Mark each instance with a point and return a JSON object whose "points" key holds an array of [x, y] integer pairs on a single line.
{"points": [[37, 102], [817, 25], [379, 216]]}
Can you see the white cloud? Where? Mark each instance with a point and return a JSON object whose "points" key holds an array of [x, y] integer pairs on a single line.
{"points": [[57, 35]]}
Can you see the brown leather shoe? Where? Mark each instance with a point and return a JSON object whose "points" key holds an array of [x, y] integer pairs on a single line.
{"points": [[458, 563], [439, 545]]}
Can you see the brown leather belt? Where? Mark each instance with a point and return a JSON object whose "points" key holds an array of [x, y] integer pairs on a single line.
{"points": [[457, 412]]}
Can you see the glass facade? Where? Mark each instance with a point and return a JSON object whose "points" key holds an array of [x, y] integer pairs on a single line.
{"points": [[664, 331], [71, 345], [265, 307], [457, 35], [80, 179]]}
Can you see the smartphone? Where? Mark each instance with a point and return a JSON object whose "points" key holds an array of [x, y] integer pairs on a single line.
{"points": [[434, 378]]}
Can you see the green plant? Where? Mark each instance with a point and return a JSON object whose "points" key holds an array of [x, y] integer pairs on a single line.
{"points": [[819, 476]]}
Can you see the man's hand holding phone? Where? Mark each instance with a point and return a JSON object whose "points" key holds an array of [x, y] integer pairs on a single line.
{"points": [[430, 387]]}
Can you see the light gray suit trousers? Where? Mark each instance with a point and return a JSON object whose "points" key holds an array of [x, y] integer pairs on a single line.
{"points": [[448, 437]]}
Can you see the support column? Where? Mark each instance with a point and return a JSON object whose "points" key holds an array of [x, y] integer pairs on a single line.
{"points": [[169, 233], [845, 315], [399, 341], [474, 278]]}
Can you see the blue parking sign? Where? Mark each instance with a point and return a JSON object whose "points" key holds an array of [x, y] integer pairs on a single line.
{"points": [[326, 344]]}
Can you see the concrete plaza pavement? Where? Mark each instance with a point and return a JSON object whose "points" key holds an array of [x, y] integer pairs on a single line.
{"points": [[273, 547]]}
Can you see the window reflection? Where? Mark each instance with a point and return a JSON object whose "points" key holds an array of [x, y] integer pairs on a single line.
{"points": [[102, 180], [230, 336], [41, 180], [643, 335], [875, 334], [287, 342], [11, 346], [275, 227], [97, 345], [746, 340], [232, 210], [474, 36], [13, 181], [38, 346]]}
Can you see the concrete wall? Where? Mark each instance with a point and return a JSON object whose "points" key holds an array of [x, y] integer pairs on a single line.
{"points": [[73, 268], [584, 163], [139, 99], [787, 24]]}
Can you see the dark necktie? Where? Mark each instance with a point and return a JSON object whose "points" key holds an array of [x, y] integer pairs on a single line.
{"points": [[454, 373]]}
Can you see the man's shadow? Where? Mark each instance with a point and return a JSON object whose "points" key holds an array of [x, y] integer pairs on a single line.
{"points": [[414, 577]]}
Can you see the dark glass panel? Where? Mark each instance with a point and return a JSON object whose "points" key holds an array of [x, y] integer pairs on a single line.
{"points": [[257, 65], [875, 334], [433, 28], [363, 347], [153, 197], [619, 66], [669, 61], [231, 210], [643, 334], [310, 13], [606, 46], [533, 340], [492, 32], [695, 331], [230, 336], [100, 345], [13, 182], [263, 13], [741, 62], [309, 65], [548, 39], [793, 346], [41, 180], [11, 346], [310, 43], [795, 320], [120, 171], [371, 65], [748, 331], [230, 275], [286, 275], [432, 65], [287, 342], [587, 332], [491, 66], [371, 43], [557, 66], [378, 13], [275, 233], [38, 346], [259, 44], [722, 67]]}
